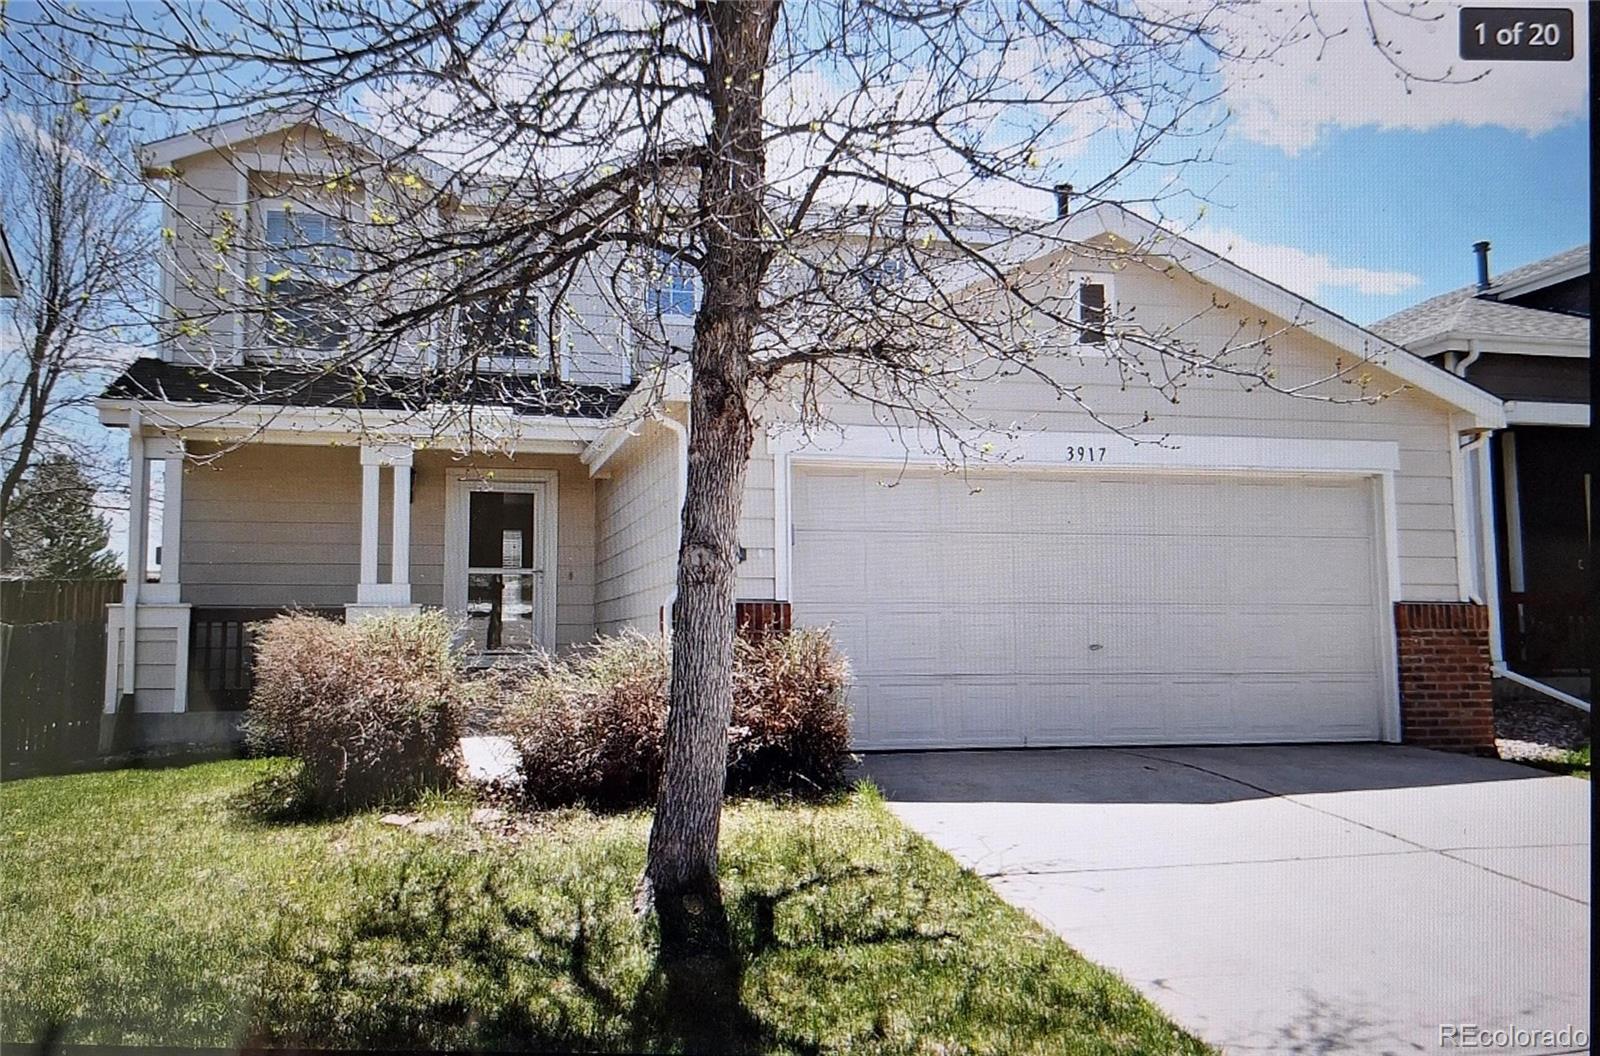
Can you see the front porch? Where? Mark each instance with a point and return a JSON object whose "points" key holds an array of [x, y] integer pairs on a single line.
{"points": [[507, 543]]}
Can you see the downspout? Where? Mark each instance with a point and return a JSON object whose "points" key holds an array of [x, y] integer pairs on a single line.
{"points": [[1498, 666], [681, 432]]}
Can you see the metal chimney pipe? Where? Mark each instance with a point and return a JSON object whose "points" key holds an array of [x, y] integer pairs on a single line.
{"points": [[1063, 200], [1482, 250]]}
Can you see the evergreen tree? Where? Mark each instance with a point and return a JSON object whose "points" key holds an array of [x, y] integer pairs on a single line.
{"points": [[52, 530]]}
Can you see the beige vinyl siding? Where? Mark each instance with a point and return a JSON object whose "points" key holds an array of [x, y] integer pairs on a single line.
{"points": [[204, 188], [280, 525], [637, 532], [1218, 406], [272, 525], [155, 668]]}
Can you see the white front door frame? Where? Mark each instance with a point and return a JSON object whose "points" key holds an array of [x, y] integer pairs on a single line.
{"points": [[459, 486], [1375, 460]]}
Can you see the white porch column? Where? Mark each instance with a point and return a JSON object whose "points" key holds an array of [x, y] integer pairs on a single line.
{"points": [[373, 594], [169, 589], [369, 521], [400, 555], [138, 536]]}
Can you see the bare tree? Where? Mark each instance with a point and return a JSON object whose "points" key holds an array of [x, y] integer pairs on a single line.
{"points": [[87, 252], [843, 179]]}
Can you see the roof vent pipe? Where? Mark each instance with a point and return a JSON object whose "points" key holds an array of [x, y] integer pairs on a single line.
{"points": [[1063, 200], [1482, 250]]}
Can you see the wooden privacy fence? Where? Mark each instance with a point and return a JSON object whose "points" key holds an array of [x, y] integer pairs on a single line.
{"points": [[52, 672]]}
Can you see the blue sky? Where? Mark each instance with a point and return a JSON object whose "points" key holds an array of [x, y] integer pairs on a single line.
{"points": [[1365, 192], [1408, 202]]}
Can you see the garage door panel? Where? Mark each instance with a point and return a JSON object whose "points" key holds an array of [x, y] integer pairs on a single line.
{"points": [[902, 567], [833, 564], [906, 641], [828, 499], [1092, 608]]}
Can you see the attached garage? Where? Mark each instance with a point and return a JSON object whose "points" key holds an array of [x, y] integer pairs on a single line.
{"points": [[1075, 605]]}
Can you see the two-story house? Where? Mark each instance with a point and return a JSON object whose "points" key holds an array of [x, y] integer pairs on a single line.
{"points": [[1524, 336], [1277, 568]]}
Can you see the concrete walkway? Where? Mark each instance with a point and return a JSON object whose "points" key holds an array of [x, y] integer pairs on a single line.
{"points": [[1315, 899]]}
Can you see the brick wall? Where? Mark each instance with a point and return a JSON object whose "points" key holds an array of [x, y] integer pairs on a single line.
{"points": [[1446, 700]]}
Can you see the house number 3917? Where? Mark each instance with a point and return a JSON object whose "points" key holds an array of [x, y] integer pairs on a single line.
{"points": [[1086, 454]]}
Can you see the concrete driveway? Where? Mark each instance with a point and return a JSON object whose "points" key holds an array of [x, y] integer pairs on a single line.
{"points": [[1316, 899]]}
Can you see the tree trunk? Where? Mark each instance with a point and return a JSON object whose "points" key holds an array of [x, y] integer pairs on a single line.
{"points": [[681, 870]]}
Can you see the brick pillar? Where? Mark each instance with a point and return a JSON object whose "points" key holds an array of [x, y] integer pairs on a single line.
{"points": [[1446, 700]]}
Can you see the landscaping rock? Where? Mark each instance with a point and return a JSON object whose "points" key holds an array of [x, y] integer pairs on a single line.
{"points": [[398, 820], [1538, 729]]}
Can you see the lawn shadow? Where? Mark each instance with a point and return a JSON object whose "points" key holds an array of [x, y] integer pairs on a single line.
{"points": [[439, 959]]}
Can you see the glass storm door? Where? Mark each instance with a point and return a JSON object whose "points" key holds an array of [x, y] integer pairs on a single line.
{"points": [[505, 574]]}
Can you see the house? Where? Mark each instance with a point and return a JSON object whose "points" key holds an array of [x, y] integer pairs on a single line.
{"points": [[1251, 567], [1524, 336]]}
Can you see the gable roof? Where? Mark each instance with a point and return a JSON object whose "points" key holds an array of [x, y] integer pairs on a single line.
{"points": [[161, 154], [1469, 312], [1152, 239]]}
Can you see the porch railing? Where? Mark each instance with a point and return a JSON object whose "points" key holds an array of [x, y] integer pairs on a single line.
{"points": [[222, 654], [1548, 634]]}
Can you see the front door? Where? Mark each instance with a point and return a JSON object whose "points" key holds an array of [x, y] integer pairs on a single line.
{"points": [[499, 564]]}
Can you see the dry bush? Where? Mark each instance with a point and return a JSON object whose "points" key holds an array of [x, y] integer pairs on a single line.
{"points": [[791, 722], [371, 710], [590, 728]]}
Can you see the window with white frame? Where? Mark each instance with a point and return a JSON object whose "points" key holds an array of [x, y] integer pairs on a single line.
{"points": [[306, 258], [503, 329], [1091, 308], [673, 288]]}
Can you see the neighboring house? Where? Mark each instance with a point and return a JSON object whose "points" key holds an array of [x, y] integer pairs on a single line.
{"points": [[1524, 336], [10, 277], [1258, 576]]}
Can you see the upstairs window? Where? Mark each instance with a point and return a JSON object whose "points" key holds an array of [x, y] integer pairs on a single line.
{"points": [[306, 260], [674, 288], [503, 327], [1093, 312], [880, 277]]}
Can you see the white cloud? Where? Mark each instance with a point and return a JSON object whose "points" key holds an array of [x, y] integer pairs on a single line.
{"points": [[1308, 274], [1335, 78]]}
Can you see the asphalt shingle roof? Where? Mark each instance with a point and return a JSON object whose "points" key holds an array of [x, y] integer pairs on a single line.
{"points": [[1472, 310], [157, 380]]}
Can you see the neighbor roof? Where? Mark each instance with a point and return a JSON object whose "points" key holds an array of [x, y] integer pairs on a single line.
{"points": [[157, 380], [1469, 310]]}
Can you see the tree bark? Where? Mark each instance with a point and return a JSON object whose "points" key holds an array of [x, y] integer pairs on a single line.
{"points": [[681, 870]]}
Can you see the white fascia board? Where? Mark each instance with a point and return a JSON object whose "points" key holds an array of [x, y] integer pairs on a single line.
{"points": [[1535, 412], [1146, 236], [434, 427], [1092, 451], [660, 389], [1499, 344], [1575, 270]]}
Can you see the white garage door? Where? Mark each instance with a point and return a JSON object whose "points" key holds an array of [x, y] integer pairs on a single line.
{"points": [[1058, 608]]}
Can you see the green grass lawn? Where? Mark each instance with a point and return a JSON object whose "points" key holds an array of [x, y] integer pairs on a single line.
{"points": [[149, 907]]}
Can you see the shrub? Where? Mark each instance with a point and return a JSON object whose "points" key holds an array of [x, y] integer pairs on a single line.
{"points": [[371, 710], [590, 728]]}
